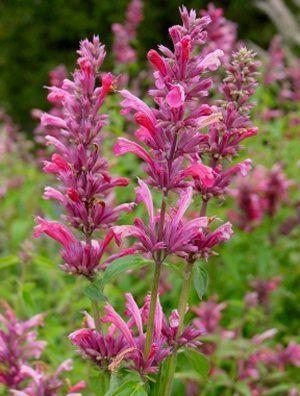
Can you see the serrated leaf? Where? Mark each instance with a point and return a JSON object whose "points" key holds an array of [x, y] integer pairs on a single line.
{"points": [[8, 261], [94, 292], [121, 265], [200, 278], [198, 362]]}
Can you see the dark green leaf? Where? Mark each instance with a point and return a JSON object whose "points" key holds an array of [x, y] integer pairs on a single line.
{"points": [[198, 362], [200, 277]]}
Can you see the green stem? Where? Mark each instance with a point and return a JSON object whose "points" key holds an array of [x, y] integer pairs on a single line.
{"points": [[167, 382], [155, 282], [150, 324], [96, 314], [184, 295], [94, 303]]}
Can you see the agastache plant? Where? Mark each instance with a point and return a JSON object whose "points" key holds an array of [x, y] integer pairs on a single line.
{"points": [[84, 179], [173, 145], [184, 144]]}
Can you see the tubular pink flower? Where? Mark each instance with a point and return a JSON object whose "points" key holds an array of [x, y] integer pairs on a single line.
{"points": [[212, 60], [201, 172], [157, 61], [111, 316], [175, 98], [55, 230], [126, 146]]}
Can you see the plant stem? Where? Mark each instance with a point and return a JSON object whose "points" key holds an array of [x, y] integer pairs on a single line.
{"points": [[150, 324], [94, 303], [183, 301], [167, 382], [203, 208], [96, 309], [155, 282], [184, 295]]}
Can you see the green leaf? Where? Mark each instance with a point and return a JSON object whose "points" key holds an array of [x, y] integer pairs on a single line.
{"points": [[121, 265], [8, 261], [94, 292], [174, 268], [198, 362], [130, 386], [200, 277]]}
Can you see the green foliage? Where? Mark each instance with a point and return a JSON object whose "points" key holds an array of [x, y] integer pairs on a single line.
{"points": [[200, 277], [197, 362]]}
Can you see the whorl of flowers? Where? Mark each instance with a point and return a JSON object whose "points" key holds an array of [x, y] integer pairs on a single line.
{"points": [[84, 179], [125, 340], [262, 289], [261, 194], [125, 33], [18, 345], [291, 86], [278, 69], [20, 372], [275, 68], [221, 32], [51, 384]]}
